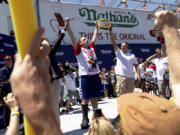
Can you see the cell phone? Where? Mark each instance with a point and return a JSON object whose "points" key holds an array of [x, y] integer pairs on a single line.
{"points": [[98, 113]]}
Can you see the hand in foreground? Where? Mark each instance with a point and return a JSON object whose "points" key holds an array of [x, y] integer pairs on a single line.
{"points": [[165, 18], [11, 102], [30, 78], [30, 81]]}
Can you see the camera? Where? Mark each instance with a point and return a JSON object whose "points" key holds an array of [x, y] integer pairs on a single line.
{"points": [[97, 113]]}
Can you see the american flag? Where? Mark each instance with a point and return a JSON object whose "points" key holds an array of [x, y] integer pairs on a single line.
{"points": [[102, 3]]}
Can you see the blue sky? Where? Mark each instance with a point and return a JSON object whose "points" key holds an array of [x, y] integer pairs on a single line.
{"points": [[131, 4]]}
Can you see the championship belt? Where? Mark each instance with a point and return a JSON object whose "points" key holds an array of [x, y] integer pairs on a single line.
{"points": [[104, 24]]}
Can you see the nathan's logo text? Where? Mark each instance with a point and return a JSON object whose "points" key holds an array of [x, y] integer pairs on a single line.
{"points": [[117, 19]]}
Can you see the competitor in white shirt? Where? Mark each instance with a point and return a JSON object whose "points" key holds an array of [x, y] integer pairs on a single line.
{"points": [[160, 60], [124, 68], [90, 83]]}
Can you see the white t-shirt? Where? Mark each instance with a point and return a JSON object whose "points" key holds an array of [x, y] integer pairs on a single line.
{"points": [[161, 66], [87, 61], [149, 71], [125, 63], [69, 83]]}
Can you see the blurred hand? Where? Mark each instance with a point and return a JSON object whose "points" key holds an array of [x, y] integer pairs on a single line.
{"points": [[67, 25], [11, 102], [30, 79], [165, 18]]}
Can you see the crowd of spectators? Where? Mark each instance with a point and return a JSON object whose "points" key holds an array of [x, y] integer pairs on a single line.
{"points": [[140, 113]]}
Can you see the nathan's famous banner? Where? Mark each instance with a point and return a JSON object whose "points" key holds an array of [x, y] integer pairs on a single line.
{"points": [[128, 25]]}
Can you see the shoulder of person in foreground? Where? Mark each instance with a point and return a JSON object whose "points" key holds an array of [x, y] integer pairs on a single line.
{"points": [[150, 111], [166, 21], [34, 86]]}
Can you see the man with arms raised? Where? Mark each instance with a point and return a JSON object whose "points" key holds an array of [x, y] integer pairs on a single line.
{"points": [[124, 67], [90, 83]]}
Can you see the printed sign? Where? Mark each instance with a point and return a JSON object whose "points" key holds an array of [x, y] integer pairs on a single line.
{"points": [[128, 25]]}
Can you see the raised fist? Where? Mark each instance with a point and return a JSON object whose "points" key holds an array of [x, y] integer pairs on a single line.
{"points": [[165, 18]]}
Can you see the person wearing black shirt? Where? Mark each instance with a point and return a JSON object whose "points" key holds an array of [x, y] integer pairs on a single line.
{"points": [[5, 86], [56, 74]]}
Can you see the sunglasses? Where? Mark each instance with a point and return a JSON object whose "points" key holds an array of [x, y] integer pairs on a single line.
{"points": [[7, 59]]}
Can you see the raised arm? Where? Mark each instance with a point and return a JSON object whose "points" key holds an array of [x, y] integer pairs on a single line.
{"points": [[150, 58], [167, 22], [13, 128], [95, 34], [113, 40], [55, 48], [37, 78], [71, 34]]}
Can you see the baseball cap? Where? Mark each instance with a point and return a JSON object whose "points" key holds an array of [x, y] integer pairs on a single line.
{"points": [[152, 66], [145, 114]]}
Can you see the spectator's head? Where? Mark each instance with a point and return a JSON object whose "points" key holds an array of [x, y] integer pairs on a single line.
{"points": [[158, 52], [124, 47], [145, 114], [138, 60], [101, 126], [8, 61], [83, 41], [67, 63], [104, 70], [112, 67]]}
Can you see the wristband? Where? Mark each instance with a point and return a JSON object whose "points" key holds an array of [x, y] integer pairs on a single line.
{"points": [[14, 113]]}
